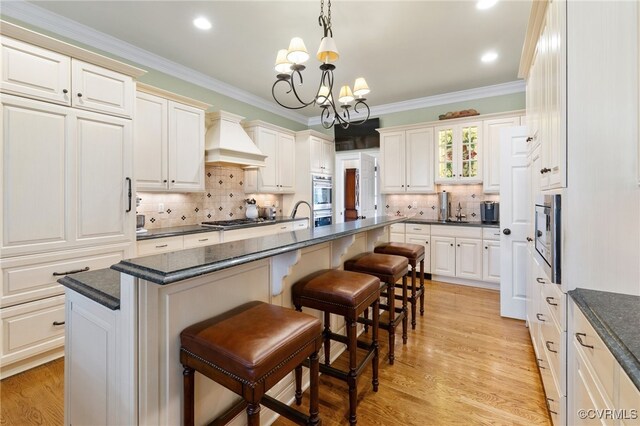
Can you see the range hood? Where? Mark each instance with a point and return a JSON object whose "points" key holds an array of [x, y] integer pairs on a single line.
{"points": [[226, 142]]}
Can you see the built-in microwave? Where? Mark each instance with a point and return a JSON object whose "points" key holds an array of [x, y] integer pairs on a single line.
{"points": [[322, 192], [322, 218], [548, 235]]}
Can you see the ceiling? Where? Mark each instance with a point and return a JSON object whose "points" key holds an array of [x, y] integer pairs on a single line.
{"points": [[405, 49]]}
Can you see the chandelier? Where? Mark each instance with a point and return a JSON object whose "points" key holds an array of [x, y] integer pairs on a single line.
{"points": [[289, 67]]}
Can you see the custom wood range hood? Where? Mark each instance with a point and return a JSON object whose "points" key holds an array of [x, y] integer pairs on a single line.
{"points": [[226, 142]]}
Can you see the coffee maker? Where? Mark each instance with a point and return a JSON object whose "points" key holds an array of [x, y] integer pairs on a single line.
{"points": [[490, 212], [444, 211]]}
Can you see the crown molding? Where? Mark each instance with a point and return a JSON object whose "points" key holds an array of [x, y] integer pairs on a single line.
{"points": [[443, 99], [42, 18]]}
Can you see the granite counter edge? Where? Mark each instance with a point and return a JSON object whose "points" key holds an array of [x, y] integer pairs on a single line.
{"points": [[91, 293]]}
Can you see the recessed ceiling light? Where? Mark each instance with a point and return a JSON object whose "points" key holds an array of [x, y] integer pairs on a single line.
{"points": [[485, 4], [202, 23], [489, 57]]}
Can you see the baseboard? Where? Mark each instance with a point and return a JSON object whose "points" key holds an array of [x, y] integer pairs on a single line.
{"points": [[31, 362], [462, 281]]}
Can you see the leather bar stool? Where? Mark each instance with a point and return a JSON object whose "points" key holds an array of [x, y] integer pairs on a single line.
{"points": [[346, 294], [389, 269], [248, 350], [415, 254]]}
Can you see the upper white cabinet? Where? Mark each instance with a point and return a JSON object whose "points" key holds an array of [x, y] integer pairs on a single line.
{"points": [[491, 151], [406, 156], [169, 142], [278, 144], [322, 153], [38, 73], [458, 153]]}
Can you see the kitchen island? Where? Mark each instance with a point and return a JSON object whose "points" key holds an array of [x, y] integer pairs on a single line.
{"points": [[122, 349]]}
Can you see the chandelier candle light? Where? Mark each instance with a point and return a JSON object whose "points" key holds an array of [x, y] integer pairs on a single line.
{"points": [[289, 66]]}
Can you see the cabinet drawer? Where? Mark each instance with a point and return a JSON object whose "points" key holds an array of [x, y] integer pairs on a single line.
{"points": [[599, 359], [412, 228], [586, 393], [556, 301], [397, 228], [201, 239], [629, 397], [101, 90], [456, 231], [283, 227], [553, 398], [491, 234], [35, 277], [300, 224], [553, 343], [396, 237], [160, 245], [29, 329]]}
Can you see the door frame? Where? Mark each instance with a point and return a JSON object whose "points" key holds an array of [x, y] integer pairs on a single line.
{"points": [[346, 160]]}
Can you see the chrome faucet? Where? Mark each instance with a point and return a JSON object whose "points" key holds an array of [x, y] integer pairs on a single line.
{"points": [[459, 215], [295, 208]]}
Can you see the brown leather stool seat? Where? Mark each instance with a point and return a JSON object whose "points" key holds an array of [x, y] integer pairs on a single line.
{"points": [[347, 294], [415, 254], [389, 269], [248, 350]]}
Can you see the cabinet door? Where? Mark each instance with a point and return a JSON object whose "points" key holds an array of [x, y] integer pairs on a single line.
{"points": [[150, 143], [316, 148], [34, 72], [469, 258], [327, 157], [424, 241], [186, 148], [103, 159], [392, 167], [102, 90], [443, 256], [491, 151], [34, 175], [469, 152], [445, 161], [287, 163], [419, 160], [268, 175], [491, 261]]}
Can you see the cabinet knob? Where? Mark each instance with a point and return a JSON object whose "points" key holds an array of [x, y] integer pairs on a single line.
{"points": [[173, 181], [458, 245], [79, 94], [165, 181], [529, 139], [426, 242], [408, 186], [451, 244], [65, 91], [529, 239], [486, 248], [403, 186]]}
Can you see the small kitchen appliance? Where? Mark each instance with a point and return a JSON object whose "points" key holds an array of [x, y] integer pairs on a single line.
{"points": [[140, 219], [268, 212], [490, 212], [445, 206], [547, 234]]}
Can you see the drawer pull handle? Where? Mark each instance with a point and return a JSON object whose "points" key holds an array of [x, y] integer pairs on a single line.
{"points": [[75, 271], [541, 280], [548, 345], [203, 239], [548, 400], [162, 245], [417, 229], [58, 323], [539, 316], [549, 301], [579, 339], [538, 361]]}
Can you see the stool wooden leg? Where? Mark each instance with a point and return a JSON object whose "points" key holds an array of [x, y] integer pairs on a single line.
{"points": [[352, 378], [414, 299], [253, 414], [376, 345], [299, 385], [405, 320], [327, 340], [392, 317], [366, 316], [314, 371], [422, 287], [188, 391]]}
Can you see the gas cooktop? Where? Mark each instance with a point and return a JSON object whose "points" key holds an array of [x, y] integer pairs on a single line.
{"points": [[236, 222]]}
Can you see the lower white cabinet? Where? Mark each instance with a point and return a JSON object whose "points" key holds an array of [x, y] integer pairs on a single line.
{"points": [[469, 258], [491, 261], [443, 256]]}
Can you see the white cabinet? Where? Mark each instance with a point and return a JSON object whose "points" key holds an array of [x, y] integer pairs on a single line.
{"points": [[169, 142], [405, 159], [491, 151], [38, 73], [322, 155], [491, 261], [443, 256], [469, 258], [396, 233], [458, 153], [278, 175], [420, 234]]}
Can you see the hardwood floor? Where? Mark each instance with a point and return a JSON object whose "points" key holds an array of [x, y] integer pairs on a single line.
{"points": [[463, 364]]}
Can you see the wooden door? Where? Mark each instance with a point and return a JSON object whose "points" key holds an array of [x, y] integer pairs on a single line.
{"points": [[491, 151], [151, 143], [443, 256], [101, 90], [469, 258], [36, 73], [286, 163], [186, 148], [268, 175], [350, 188], [419, 160], [491, 261], [36, 149], [392, 164]]}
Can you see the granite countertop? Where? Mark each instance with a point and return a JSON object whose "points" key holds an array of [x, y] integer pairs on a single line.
{"points": [[436, 222], [175, 231], [176, 266], [616, 319], [102, 286]]}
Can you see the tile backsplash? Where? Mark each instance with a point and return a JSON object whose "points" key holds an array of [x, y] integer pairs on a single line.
{"points": [[223, 199], [426, 205]]}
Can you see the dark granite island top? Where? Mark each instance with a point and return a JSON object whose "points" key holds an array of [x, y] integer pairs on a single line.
{"points": [[616, 319], [102, 286], [176, 266]]}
